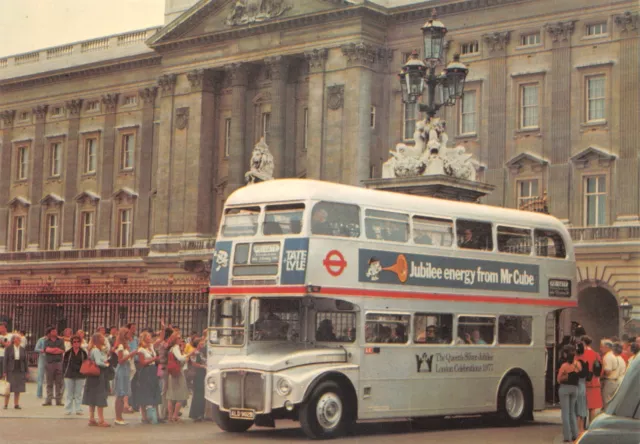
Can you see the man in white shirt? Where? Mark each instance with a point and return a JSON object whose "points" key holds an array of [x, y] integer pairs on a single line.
{"points": [[610, 371]]}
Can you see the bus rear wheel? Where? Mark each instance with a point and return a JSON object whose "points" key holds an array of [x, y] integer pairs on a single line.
{"points": [[326, 414], [230, 425], [514, 401]]}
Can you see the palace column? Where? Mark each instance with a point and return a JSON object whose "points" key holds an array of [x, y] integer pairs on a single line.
{"points": [[200, 147], [497, 115], [107, 169], [627, 208], [7, 116], [357, 111], [162, 201], [316, 116], [36, 177], [560, 132], [73, 108], [238, 162], [144, 173], [278, 66]]}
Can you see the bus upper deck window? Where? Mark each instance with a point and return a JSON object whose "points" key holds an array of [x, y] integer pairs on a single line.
{"points": [[474, 235], [240, 221], [387, 226], [432, 231], [549, 243], [514, 240], [283, 219], [335, 219]]}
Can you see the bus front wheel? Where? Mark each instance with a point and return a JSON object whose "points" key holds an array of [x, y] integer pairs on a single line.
{"points": [[230, 425], [514, 401], [326, 414]]}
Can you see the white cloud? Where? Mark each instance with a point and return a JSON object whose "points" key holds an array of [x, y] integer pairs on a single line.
{"points": [[28, 25]]}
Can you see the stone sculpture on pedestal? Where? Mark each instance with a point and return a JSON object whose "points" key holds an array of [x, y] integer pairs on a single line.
{"points": [[261, 164], [429, 155]]}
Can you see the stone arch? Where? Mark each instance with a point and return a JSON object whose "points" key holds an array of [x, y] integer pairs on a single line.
{"points": [[597, 310]]}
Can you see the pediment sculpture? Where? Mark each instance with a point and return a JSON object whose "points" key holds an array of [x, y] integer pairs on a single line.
{"points": [[244, 12], [261, 164], [429, 155]]}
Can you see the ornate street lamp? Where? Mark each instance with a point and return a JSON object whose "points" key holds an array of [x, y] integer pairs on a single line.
{"points": [[625, 308], [443, 89]]}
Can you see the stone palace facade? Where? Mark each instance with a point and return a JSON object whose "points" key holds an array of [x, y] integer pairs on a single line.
{"points": [[117, 154]]}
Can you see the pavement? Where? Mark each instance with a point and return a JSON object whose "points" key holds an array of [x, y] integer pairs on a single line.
{"points": [[36, 424]]}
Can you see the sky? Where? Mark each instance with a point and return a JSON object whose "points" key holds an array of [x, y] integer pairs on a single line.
{"points": [[27, 25]]}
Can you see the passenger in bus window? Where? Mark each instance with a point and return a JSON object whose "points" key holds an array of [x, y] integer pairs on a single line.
{"points": [[474, 337], [468, 240], [429, 336], [398, 335], [319, 224]]}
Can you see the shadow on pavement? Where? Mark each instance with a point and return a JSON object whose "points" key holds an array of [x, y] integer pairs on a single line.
{"points": [[404, 427]]}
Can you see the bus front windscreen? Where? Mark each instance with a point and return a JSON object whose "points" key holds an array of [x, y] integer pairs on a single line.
{"points": [[227, 322]]}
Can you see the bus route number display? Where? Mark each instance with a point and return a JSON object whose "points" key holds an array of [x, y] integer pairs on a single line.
{"points": [[559, 288]]}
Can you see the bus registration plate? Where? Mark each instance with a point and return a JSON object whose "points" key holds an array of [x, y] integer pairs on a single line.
{"points": [[247, 414]]}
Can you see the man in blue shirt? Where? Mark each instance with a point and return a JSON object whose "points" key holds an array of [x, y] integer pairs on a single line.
{"points": [[42, 364]]}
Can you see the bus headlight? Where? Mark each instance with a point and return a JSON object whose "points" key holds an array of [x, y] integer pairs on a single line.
{"points": [[211, 383], [283, 387]]}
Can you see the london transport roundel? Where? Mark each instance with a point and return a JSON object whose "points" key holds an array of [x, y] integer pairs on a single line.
{"points": [[334, 263]]}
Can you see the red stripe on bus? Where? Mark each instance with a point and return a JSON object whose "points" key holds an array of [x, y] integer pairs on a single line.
{"points": [[334, 291]]}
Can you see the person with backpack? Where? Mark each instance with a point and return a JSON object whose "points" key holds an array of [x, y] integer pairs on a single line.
{"points": [[592, 381]]}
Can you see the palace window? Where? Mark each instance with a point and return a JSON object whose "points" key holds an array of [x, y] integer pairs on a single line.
{"points": [[266, 126], [23, 162], [127, 151], [93, 105], [409, 122], [130, 100], [531, 39], [595, 98], [90, 155], [529, 106], [19, 233], [52, 232], [597, 29], [55, 158], [125, 227], [305, 130], [87, 220], [470, 48], [24, 115], [468, 113], [372, 118], [56, 111], [227, 136], [595, 200], [527, 192]]}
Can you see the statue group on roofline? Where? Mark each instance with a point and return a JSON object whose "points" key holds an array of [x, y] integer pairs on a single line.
{"points": [[261, 164], [429, 155]]}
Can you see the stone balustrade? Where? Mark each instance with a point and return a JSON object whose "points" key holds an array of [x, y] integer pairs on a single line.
{"points": [[103, 44], [59, 255], [607, 233]]}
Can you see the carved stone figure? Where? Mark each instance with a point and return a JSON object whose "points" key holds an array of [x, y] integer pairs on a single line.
{"points": [[261, 164], [429, 155], [253, 11]]}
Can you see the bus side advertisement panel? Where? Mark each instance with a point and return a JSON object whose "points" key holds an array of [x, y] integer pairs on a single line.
{"points": [[221, 264], [386, 267], [294, 261]]}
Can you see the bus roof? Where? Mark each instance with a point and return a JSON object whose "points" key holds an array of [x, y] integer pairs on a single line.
{"points": [[288, 190]]}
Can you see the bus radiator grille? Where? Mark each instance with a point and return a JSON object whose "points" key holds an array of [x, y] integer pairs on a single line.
{"points": [[241, 389]]}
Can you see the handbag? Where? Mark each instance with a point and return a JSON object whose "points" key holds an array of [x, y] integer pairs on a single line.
{"points": [[89, 368], [5, 388], [173, 367]]}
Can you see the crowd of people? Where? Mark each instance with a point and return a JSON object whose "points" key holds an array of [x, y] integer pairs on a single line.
{"points": [[588, 379], [155, 372]]}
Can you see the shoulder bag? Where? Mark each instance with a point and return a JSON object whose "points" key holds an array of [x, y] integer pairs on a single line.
{"points": [[89, 368], [173, 366]]}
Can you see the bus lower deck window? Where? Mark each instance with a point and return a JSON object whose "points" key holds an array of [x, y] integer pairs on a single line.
{"points": [[387, 328], [476, 330], [432, 328]]}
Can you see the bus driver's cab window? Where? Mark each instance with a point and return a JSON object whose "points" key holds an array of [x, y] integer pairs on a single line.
{"points": [[474, 235], [335, 219]]}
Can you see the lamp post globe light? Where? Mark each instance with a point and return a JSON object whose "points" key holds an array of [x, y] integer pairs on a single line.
{"points": [[443, 89], [625, 308]]}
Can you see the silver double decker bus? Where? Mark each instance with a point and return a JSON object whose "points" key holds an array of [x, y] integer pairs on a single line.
{"points": [[331, 304]]}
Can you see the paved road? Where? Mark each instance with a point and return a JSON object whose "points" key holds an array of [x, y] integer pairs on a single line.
{"points": [[37, 424]]}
